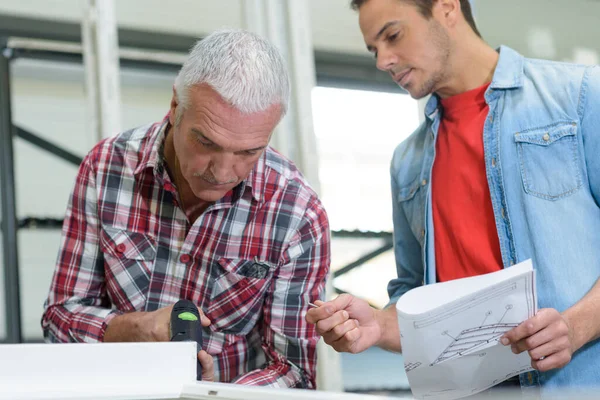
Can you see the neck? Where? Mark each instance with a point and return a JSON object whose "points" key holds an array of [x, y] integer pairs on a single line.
{"points": [[473, 64]]}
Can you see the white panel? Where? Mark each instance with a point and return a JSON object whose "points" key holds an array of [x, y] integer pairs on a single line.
{"points": [[105, 370], [208, 391]]}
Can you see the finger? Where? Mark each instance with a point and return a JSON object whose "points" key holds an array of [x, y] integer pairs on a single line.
{"points": [[531, 342], [528, 328], [324, 311], [343, 301], [328, 324], [550, 348], [339, 331], [319, 302], [204, 320], [349, 342], [208, 370], [556, 360]]}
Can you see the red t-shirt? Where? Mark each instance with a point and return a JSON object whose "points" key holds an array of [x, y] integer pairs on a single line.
{"points": [[466, 240]]}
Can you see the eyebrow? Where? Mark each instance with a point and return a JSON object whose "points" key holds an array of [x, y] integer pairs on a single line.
{"points": [[382, 30], [199, 133]]}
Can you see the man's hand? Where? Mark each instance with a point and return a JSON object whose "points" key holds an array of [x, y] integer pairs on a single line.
{"points": [[208, 369], [156, 323], [150, 326], [347, 324], [547, 336]]}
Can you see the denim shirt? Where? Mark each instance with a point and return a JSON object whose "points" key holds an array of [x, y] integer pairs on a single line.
{"points": [[542, 158]]}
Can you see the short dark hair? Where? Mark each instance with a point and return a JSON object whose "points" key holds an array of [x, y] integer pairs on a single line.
{"points": [[425, 7]]}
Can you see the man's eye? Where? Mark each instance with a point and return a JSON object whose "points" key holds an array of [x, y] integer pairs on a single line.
{"points": [[204, 143], [250, 152]]}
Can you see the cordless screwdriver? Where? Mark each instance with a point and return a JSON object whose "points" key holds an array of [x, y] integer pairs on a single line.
{"points": [[185, 326]]}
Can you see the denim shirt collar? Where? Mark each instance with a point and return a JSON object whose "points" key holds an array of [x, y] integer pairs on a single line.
{"points": [[508, 75]]}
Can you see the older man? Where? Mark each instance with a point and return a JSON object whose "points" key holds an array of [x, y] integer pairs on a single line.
{"points": [[199, 207]]}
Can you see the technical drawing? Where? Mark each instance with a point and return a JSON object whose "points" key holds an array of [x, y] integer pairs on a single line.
{"points": [[500, 291], [469, 340], [410, 366]]}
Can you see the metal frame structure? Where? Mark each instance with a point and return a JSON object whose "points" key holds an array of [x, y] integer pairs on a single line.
{"points": [[9, 206]]}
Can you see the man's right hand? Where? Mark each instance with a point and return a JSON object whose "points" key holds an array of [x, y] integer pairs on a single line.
{"points": [[347, 324], [150, 326], [156, 323]]}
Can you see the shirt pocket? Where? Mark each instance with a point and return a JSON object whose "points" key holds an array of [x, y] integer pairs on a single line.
{"points": [[129, 257], [411, 199], [237, 295], [549, 161]]}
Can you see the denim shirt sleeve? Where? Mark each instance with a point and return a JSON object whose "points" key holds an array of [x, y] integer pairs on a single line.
{"points": [[589, 110], [407, 251]]}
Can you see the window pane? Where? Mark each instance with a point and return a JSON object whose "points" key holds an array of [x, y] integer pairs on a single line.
{"points": [[357, 132]]}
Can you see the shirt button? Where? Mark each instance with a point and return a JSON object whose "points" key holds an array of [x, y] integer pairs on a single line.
{"points": [[493, 162], [168, 187], [185, 258], [503, 213], [424, 182], [423, 234], [546, 137], [121, 248]]}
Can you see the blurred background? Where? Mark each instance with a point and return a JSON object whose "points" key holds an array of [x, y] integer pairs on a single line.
{"points": [[346, 119]]}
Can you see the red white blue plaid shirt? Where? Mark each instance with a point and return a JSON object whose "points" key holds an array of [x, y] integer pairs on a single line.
{"points": [[252, 261]]}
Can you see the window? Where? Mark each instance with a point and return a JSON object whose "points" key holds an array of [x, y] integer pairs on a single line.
{"points": [[357, 132]]}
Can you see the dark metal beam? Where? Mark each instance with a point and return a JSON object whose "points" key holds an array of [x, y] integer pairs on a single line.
{"points": [[9, 207], [367, 257], [48, 146]]}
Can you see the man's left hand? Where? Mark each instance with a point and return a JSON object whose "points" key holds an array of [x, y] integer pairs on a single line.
{"points": [[547, 336], [208, 369]]}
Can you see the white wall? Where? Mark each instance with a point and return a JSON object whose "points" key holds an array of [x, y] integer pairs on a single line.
{"points": [[334, 25], [527, 25]]}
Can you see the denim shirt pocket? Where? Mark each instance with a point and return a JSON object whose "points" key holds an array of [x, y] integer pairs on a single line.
{"points": [[410, 198], [549, 160], [237, 295]]}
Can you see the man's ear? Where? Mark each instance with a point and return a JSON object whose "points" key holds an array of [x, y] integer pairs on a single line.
{"points": [[447, 12], [173, 107]]}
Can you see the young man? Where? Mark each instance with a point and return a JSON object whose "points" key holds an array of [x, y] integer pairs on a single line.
{"points": [[199, 207], [504, 168]]}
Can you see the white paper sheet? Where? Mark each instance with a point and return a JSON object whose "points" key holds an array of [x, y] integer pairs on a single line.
{"points": [[450, 332]]}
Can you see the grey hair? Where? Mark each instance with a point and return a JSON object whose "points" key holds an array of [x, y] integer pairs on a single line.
{"points": [[245, 69]]}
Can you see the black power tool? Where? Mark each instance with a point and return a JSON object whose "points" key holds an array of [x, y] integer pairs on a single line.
{"points": [[186, 327]]}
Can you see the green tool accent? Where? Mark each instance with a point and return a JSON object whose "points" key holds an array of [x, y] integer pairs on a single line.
{"points": [[187, 316]]}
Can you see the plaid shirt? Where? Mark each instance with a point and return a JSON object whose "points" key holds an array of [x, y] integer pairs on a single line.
{"points": [[252, 261]]}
